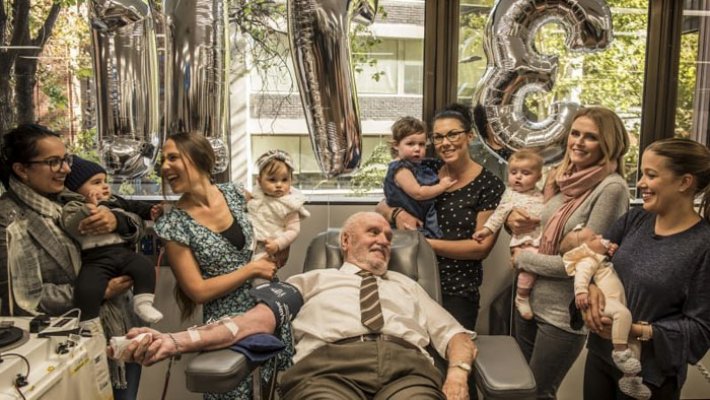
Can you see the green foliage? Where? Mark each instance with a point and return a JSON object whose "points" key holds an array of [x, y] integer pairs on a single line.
{"points": [[371, 174], [85, 146]]}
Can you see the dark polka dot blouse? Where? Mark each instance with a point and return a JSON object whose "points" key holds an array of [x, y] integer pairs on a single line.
{"points": [[457, 212]]}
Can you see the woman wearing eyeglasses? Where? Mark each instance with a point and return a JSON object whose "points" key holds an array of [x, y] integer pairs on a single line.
{"points": [[460, 210], [586, 188], [34, 165]]}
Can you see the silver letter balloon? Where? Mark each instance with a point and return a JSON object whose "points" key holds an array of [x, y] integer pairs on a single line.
{"points": [[320, 47], [516, 69], [138, 102], [197, 88], [126, 76]]}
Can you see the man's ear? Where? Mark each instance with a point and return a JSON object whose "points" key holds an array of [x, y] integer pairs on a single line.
{"points": [[344, 241]]}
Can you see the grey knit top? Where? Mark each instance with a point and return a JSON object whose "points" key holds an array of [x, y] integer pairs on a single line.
{"points": [[553, 290]]}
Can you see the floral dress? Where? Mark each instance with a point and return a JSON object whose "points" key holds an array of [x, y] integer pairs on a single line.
{"points": [[217, 256]]}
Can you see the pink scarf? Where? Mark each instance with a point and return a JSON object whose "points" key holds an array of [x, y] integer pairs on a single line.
{"points": [[575, 187]]}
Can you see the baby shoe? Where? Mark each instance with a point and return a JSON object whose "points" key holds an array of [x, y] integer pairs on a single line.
{"points": [[633, 386], [626, 362], [522, 304]]}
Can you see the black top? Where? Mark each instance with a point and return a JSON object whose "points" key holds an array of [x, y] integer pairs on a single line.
{"points": [[666, 280], [234, 235], [457, 212]]}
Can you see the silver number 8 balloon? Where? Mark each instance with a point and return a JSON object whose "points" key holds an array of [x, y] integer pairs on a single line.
{"points": [[516, 69]]}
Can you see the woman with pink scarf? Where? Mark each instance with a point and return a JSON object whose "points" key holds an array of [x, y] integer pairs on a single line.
{"points": [[586, 188]]}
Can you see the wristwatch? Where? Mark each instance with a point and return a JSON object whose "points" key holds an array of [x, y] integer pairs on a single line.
{"points": [[464, 366]]}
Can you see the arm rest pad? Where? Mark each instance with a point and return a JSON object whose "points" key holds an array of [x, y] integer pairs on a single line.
{"points": [[217, 371], [501, 371]]}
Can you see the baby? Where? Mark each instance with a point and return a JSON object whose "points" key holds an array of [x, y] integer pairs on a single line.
{"points": [[275, 209], [108, 255], [524, 171], [585, 257], [412, 181]]}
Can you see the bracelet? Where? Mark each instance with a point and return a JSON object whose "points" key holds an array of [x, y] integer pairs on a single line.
{"points": [[646, 331], [177, 348], [395, 213]]}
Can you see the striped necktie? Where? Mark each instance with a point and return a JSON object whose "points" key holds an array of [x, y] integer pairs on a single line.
{"points": [[370, 310]]}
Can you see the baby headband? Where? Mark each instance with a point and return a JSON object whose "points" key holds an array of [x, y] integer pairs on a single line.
{"points": [[279, 155]]}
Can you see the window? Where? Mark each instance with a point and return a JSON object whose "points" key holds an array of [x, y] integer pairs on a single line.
{"points": [[613, 77], [693, 104], [389, 79]]}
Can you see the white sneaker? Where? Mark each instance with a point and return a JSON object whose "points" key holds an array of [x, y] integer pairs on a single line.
{"points": [[626, 361], [522, 304], [633, 386]]}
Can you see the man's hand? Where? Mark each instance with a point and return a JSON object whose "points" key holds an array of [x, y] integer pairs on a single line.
{"points": [[520, 222], [117, 285], [150, 349], [456, 384], [99, 222]]}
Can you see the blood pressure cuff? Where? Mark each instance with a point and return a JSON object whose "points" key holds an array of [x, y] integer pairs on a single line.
{"points": [[283, 299]]}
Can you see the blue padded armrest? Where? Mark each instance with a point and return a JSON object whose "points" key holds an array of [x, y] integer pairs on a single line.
{"points": [[501, 371]]}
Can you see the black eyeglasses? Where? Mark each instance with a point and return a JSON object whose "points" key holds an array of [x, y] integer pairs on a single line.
{"points": [[55, 163], [451, 136]]}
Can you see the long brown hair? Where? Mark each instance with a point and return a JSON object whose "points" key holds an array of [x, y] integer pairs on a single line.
{"points": [[193, 146], [684, 156]]}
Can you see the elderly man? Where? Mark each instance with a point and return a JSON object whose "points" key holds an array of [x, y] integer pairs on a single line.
{"points": [[360, 333]]}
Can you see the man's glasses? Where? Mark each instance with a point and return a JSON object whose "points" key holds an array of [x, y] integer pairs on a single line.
{"points": [[55, 163], [451, 136]]}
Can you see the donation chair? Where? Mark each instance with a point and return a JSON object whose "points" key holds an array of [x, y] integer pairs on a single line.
{"points": [[500, 369]]}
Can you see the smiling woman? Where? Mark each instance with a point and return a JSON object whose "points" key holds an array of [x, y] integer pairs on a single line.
{"points": [[663, 260], [34, 167], [208, 240], [586, 188]]}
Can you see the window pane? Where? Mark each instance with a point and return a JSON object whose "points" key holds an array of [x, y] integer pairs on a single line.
{"points": [[612, 77], [388, 58], [694, 73]]}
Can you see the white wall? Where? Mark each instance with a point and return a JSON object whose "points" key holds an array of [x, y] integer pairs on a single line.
{"points": [[497, 275]]}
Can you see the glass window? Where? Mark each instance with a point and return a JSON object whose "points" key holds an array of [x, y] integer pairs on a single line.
{"points": [[612, 77], [692, 110], [389, 77]]}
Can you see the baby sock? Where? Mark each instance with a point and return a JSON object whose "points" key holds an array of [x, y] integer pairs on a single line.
{"points": [[143, 307], [633, 386], [626, 362], [522, 304]]}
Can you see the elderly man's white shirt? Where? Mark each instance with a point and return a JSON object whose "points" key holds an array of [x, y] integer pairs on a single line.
{"points": [[331, 310]]}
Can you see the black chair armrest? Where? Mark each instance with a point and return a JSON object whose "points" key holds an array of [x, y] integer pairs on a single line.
{"points": [[217, 371], [501, 371]]}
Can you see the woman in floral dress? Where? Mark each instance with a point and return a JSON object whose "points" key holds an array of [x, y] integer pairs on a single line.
{"points": [[209, 244]]}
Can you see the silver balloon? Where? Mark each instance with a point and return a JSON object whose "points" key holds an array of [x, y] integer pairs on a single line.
{"points": [[320, 47], [516, 69], [126, 76], [196, 85]]}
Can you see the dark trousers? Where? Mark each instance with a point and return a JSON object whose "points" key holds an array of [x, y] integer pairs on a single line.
{"points": [[465, 310], [133, 377], [101, 264], [375, 370], [550, 351], [601, 381]]}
